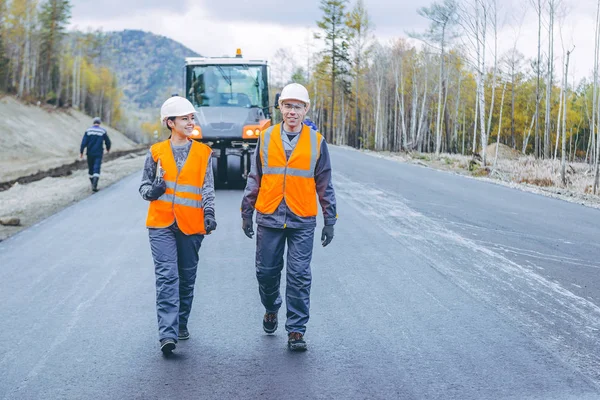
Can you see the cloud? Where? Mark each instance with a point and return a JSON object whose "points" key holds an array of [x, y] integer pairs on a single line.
{"points": [[107, 9], [386, 15], [216, 28], [207, 36]]}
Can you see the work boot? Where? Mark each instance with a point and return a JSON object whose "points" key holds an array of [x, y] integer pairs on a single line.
{"points": [[270, 322], [296, 341], [167, 346], [95, 184], [184, 334]]}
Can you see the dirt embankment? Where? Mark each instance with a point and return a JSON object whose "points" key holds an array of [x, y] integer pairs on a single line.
{"points": [[40, 169], [38, 138], [68, 169], [33, 202]]}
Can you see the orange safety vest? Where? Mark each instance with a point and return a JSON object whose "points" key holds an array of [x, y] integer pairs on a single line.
{"points": [[292, 179], [182, 201]]}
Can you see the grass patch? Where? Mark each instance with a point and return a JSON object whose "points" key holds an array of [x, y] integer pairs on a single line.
{"points": [[543, 182], [481, 172]]}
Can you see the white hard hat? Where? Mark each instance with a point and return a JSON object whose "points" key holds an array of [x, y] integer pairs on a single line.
{"points": [[295, 91], [176, 106]]}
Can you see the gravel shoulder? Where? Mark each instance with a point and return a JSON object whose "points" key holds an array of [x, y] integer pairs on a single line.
{"points": [[519, 173], [33, 202]]}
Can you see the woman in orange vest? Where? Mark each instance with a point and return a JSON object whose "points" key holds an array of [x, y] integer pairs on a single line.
{"points": [[290, 170], [178, 182]]}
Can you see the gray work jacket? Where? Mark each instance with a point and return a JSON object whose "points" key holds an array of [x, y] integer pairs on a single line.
{"points": [[283, 217]]}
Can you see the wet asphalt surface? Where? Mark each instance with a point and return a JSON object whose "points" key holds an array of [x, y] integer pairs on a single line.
{"points": [[435, 287]]}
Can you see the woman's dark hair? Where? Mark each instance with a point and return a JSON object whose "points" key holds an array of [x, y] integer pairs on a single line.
{"points": [[170, 119]]}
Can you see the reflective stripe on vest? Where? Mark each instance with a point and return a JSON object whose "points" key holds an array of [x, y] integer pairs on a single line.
{"points": [[291, 179], [182, 201], [183, 189]]}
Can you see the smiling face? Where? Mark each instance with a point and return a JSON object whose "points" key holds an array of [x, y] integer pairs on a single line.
{"points": [[183, 126], [293, 112]]}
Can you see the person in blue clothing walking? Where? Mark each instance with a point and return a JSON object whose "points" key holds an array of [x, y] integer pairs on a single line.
{"points": [[94, 140]]}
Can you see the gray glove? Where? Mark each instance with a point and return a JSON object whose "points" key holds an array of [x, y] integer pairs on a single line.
{"points": [[158, 189], [327, 235], [210, 224], [247, 227]]}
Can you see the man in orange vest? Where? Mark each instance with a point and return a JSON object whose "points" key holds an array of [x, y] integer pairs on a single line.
{"points": [[178, 182], [290, 169]]}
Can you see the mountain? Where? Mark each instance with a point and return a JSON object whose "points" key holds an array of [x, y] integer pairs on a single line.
{"points": [[149, 67]]}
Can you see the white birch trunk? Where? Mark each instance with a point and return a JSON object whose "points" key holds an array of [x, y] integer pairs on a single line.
{"points": [[499, 125], [560, 104], [549, 80], [480, 79], [402, 108], [438, 126], [564, 129], [526, 141], [414, 106]]}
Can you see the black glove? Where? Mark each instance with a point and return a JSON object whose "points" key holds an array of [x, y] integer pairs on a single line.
{"points": [[210, 224], [158, 188], [327, 235], [247, 227]]}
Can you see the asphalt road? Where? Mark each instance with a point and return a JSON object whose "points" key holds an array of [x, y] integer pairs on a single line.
{"points": [[436, 286]]}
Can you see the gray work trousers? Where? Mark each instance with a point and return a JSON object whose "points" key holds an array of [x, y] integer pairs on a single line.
{"points": [[270, 245], [175, 263]]}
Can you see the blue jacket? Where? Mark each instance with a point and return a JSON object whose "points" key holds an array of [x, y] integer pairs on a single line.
{"points": [[311, 124], [93, 139]]}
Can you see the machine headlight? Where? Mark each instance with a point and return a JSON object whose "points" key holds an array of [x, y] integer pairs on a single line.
{"points": [[249, 132]]}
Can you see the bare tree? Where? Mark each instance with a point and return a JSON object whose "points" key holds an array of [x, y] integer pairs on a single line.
{"points": [[482, 14], [494, 20], [442, 17], [594, 128], [549, 73], [538, 8], [282, 66], [499, 126], [564, 123], [380, 69], [473, 18], [456, 119]]}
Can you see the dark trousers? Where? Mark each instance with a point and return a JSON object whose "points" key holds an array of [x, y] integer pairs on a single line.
{"points": [[94, 163], [270, 246], [175, 262]]}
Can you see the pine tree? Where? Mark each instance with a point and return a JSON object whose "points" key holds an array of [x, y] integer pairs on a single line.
{"points": [[54, 18], [360, 27], [336, 36], [3, 59]]}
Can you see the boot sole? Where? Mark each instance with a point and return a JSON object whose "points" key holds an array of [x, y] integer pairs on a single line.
{"points": [[167, 348], [270, 331], [297, 347]]}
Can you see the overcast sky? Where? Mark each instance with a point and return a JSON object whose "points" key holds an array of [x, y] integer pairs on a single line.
{"points": [[215, 28]]}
